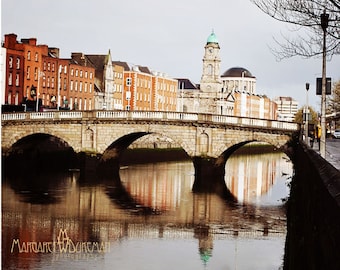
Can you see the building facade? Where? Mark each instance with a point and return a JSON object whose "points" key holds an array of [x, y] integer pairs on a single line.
{"points": [[232, 93], [38, 79], [287, 107], [145, 90]]}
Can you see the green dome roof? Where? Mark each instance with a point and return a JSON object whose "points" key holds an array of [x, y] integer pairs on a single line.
{"points": [[212, 38]]}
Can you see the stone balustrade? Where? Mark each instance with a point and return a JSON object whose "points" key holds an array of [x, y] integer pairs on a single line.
{"points": [[152, 115]]}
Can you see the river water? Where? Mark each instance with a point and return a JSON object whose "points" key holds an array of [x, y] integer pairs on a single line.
{"points": [[148, 220]]}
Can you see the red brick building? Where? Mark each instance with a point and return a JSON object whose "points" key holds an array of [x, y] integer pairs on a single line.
{"points": [[36, 71]]}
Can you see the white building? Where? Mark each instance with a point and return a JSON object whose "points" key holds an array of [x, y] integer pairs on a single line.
{"points": [[232, 93], [287, 107]]}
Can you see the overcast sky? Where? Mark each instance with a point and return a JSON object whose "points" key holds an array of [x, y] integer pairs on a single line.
{"points": [[169, 36]]}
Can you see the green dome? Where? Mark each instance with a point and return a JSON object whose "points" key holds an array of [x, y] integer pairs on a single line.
{"points": [[212, 38]]}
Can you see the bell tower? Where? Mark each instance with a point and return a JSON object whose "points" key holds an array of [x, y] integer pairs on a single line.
{"points": [[210, 80]]}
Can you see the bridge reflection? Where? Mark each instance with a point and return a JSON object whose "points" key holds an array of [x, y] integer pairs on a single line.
{"points": [[154, 202]]}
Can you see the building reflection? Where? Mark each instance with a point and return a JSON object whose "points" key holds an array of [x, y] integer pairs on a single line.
{"points": [[87, 213], [249, 177]]}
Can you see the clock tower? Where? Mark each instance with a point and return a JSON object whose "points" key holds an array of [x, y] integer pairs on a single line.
{"points": [[210, 80]]}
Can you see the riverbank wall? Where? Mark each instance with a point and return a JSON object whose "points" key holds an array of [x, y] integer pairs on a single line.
{"points": [[313, 214]]}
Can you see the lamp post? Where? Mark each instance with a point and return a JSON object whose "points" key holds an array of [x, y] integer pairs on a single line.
{"points": [[306, 115], [59, 86], [324, 25]]}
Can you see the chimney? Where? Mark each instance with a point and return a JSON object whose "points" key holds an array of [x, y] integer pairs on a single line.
{"points": [[10, 41], [29, 41]]}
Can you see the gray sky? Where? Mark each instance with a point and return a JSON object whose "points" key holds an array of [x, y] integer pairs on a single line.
{"points": [[169, 36]]}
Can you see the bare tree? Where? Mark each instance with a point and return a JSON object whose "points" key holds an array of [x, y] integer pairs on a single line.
{"points": [[305, 19]]}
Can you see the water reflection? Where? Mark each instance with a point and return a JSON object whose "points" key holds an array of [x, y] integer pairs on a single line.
{"points": [[184, 230], [251, 178]]}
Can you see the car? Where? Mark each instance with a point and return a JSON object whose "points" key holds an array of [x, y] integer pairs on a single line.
{"points": [[336, 134]]}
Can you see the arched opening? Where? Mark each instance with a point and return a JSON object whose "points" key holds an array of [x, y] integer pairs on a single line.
{"points": [[139, 164], [42, 152]]}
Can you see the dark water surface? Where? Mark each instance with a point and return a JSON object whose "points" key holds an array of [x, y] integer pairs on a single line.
{"points": [[149, 220]]}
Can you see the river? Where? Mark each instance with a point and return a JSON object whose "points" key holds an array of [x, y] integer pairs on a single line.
{"points": [[150, 219]]}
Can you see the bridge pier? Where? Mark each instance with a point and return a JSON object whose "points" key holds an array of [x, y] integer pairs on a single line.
{"points": [[209, 177]]}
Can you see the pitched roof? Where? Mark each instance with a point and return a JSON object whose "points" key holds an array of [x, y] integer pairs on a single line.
{"points": [[186, 84]]}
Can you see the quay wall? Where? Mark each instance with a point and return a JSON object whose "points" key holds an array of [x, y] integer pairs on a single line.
{"points": [[313, 214]]}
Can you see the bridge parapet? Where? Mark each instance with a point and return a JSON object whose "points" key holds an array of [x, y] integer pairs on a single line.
{"points": [[152, 115]]}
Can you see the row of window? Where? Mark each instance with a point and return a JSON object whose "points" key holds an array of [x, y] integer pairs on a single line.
{"points": [[11, 62], [74, 85], [36, 56], [75, 103], [10, 79]]}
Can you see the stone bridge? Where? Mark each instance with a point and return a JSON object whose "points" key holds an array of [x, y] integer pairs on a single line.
{"points": [[99, 131], [207, 139]]}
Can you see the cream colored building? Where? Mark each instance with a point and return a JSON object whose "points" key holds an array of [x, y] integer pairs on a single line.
{"points": [[232, 93], [287, 107]]}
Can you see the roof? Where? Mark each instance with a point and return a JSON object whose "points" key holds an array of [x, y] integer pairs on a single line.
{"points": [[237, 72], [212, 38], [185, 84]]}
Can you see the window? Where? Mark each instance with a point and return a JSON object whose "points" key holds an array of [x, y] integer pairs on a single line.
{"points": [[9, 98], [210, 70], [48, 66], [16, 98], [90, 87], [10, 62], [29, 55], [81, 74], [91, 75], [72, 71], [52, 82], [17, 79], [18, 63], [128, 81], [86, 74], [53, 66], [76, 72], [36, 74], [80, 86], [10, 78], [71, 85], [36, 57], [85, 87]]}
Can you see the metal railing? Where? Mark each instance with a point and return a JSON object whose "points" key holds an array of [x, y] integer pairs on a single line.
{"points": [[152, 115]]}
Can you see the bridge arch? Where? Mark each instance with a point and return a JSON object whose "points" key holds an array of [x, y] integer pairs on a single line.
{"points": [[40, 150], [115, 149], [36, 139]]}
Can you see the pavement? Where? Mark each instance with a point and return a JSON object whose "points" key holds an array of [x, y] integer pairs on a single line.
{"points": [[332, 151]]}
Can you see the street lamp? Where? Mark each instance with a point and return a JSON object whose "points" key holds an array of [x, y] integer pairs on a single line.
{"points": [[324, 25], [306, 114]]}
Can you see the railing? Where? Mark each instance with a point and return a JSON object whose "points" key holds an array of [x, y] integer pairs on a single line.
{"points": [[152, 115]]}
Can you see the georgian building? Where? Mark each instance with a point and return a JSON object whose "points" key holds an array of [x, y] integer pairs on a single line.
{"points": [[103, 79], [144, 90], [37, 78]]}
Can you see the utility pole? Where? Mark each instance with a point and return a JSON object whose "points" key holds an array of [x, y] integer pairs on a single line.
{"points": [[324, 25]]}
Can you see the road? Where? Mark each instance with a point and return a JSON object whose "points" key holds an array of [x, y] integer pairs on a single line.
{"points": [[333, 152]]}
